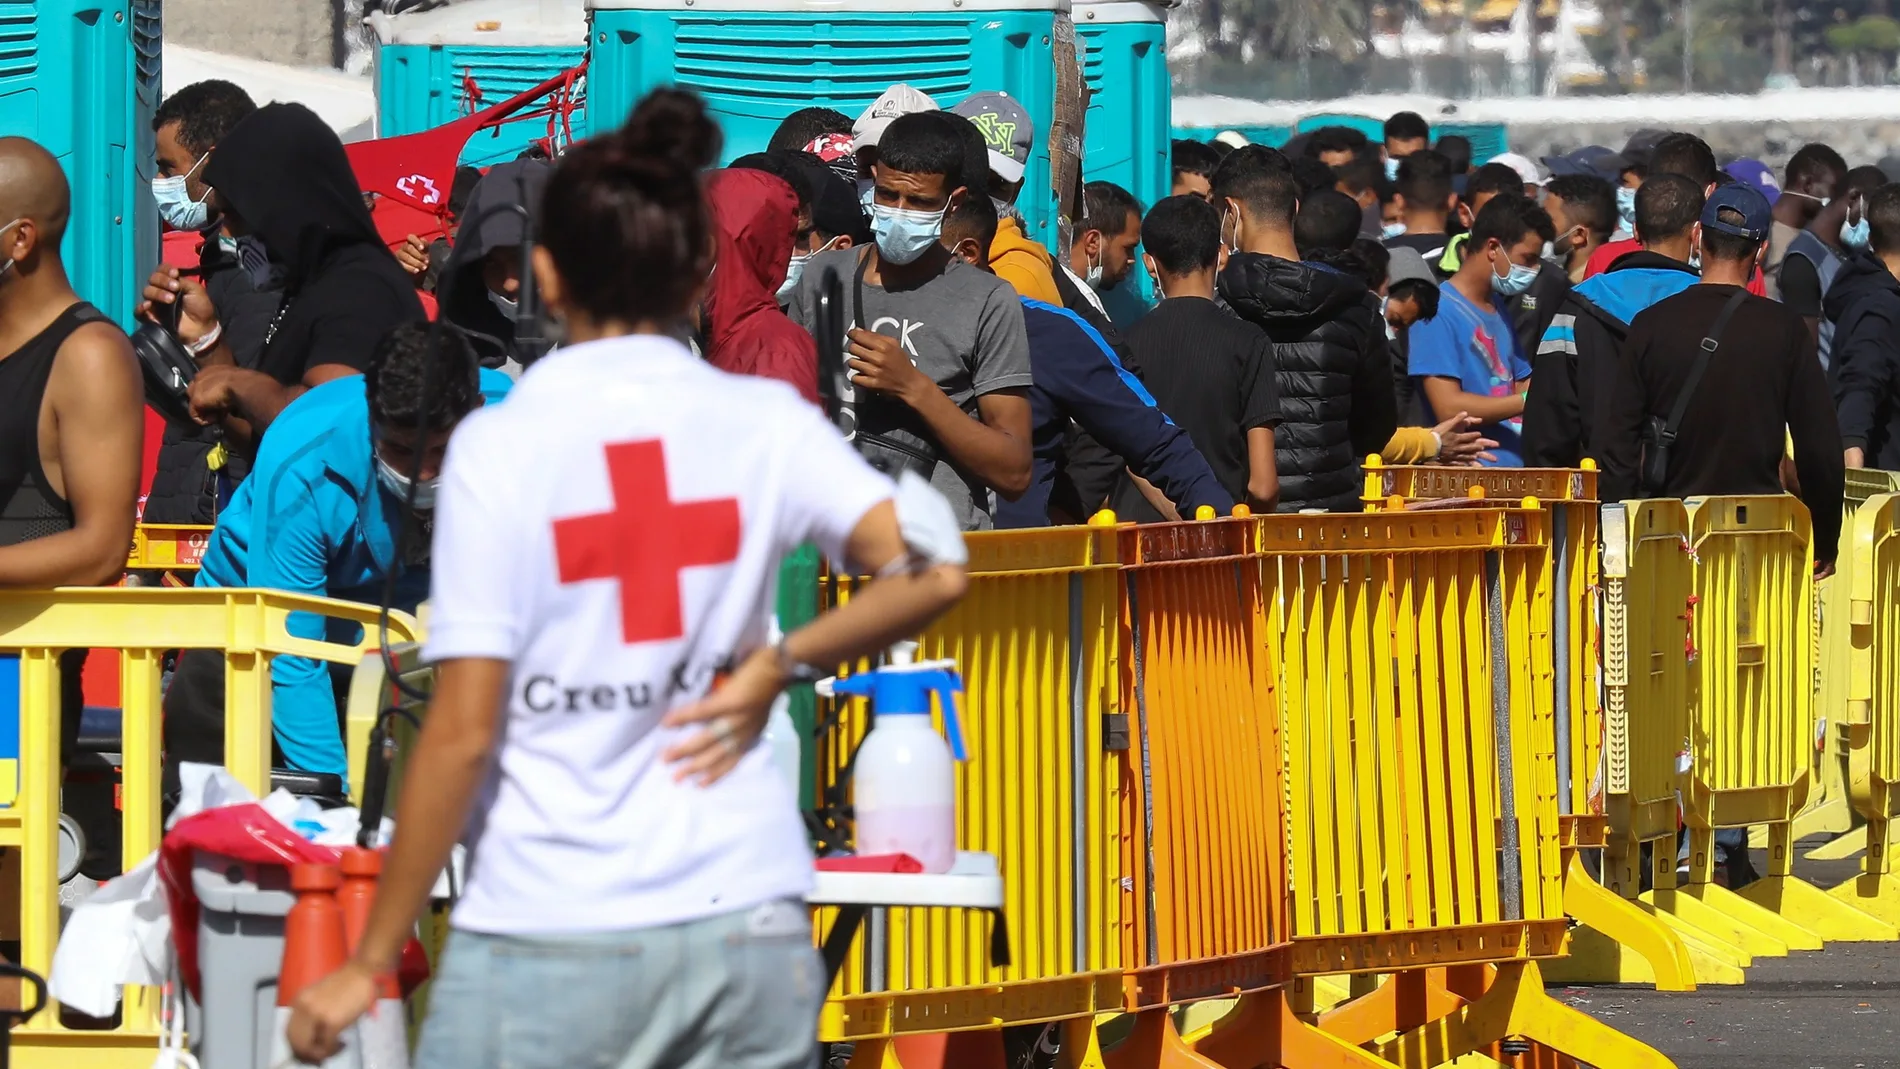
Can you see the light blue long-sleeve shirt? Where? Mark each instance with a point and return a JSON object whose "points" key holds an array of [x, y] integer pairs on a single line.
{"points": [[313, 518]]}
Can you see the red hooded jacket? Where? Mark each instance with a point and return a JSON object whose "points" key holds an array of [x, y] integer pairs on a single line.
{"points": [[755, 214]]}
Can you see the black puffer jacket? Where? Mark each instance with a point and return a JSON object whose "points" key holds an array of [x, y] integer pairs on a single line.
{"points": [[1335, 375]]}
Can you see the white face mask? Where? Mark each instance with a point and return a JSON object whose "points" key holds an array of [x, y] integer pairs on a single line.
{"points": [[397, 483], [507, 306]]}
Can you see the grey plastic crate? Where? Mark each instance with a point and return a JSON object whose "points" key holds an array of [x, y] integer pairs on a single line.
{"points": [[240, 949]]}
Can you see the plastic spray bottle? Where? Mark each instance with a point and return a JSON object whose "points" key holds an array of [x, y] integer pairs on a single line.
{"points": [[905, 776]]}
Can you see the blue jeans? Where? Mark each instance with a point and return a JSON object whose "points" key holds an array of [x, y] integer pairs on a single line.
{"points": [[737, 991]]}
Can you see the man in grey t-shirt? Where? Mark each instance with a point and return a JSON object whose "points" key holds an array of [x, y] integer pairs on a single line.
{"points": [[937, 359]]}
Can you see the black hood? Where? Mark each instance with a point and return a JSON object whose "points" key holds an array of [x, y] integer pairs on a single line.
{"points": [[283, 173], [519, 183], [489, 223], [1861, 275], [1278, 293]]}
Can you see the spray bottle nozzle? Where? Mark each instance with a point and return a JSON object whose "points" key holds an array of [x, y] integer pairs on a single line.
{"points": [[904, 689]]}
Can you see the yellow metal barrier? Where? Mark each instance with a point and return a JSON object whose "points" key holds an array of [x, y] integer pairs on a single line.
{"points": [[1872, 724], [1036, 639], [249, 627], [1752, 732]]}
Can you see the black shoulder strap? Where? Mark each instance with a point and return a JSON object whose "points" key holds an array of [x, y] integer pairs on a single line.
{"points": [[1711, 342], [1600, 314], [857, 290]]}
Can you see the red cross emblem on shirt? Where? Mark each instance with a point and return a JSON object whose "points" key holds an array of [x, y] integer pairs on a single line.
{"points": [[646, 541]]}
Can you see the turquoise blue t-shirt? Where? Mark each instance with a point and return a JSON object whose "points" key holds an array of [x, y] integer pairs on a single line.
{"points": [[1478, 347], [312, 518]]}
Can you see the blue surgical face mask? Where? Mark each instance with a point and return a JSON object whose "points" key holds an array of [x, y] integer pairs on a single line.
{"points": [[1515, 283], [397, 483], [904, 234], [795, 270], [1626, 207], [175, 205], [1391, 230], [1856, 236], [1391, 169], [867, 193]]}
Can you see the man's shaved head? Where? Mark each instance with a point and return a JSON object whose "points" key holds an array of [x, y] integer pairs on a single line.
{"points": [[32, 186]]}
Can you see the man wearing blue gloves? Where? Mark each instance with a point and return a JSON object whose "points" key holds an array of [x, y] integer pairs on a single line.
{"points": [[321, 515]]}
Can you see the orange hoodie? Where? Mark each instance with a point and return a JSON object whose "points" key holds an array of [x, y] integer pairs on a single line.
{"points": [[1023, 264]]}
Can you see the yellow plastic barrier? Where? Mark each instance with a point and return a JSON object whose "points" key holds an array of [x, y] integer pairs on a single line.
{"points": [[1619, 943], [1646, 612], [1571, 497], [1211, 890], [1036, 640], [1752, 732], [1831, 810], [249, 627], [1417, 683], [1872, 724]]}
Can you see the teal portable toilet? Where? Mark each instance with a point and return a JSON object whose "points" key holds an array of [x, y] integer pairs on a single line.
{"points": [[1127, 133], [81, 77], [426, 62], [757, 61]]}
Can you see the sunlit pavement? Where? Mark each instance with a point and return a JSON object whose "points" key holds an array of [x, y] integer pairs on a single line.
{"points": [[1837, 1008]]}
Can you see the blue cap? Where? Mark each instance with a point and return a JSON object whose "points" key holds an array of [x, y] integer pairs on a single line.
{"points": [[1742, 198], [1604, 163], [1757, 174]]}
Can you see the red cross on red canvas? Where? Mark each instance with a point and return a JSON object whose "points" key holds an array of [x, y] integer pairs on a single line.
{"points": [[646, 541]]}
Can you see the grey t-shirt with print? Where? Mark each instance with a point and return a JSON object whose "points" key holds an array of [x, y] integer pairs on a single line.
{"points": [[963, 328]]}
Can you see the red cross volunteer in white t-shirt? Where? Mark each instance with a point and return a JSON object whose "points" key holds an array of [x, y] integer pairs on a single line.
{"points": [[606, 542]]}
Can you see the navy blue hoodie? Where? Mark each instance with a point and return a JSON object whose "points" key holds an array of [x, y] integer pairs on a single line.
{"points": [[1078, 378]]}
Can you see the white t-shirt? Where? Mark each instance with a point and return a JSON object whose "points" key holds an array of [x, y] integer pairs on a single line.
{"points": [[614, 531]]}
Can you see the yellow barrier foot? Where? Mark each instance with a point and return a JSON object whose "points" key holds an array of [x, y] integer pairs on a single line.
{"points": [[1609, 914], [1514, 1007], [1840, 849], [1082, 1045], [1827, 916], [1595, 958], [1713, 925], [1263, 1032], [1748, 918], [1875, 893]]}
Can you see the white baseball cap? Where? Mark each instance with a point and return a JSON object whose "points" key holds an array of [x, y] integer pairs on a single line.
{"points": [[1525, 169], [899, 100], [1232, 139]]}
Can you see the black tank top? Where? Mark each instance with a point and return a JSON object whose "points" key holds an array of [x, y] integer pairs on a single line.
{"points": [[29, 508]]}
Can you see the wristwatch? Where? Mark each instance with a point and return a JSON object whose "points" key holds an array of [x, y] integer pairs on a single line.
{"points": [[794, 670]]}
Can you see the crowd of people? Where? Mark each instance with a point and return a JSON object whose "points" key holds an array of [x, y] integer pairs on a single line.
{"points": [[600, 536]]}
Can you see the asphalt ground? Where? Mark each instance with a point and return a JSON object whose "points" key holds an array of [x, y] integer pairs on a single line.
{"points": [[1835, 1008]]}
